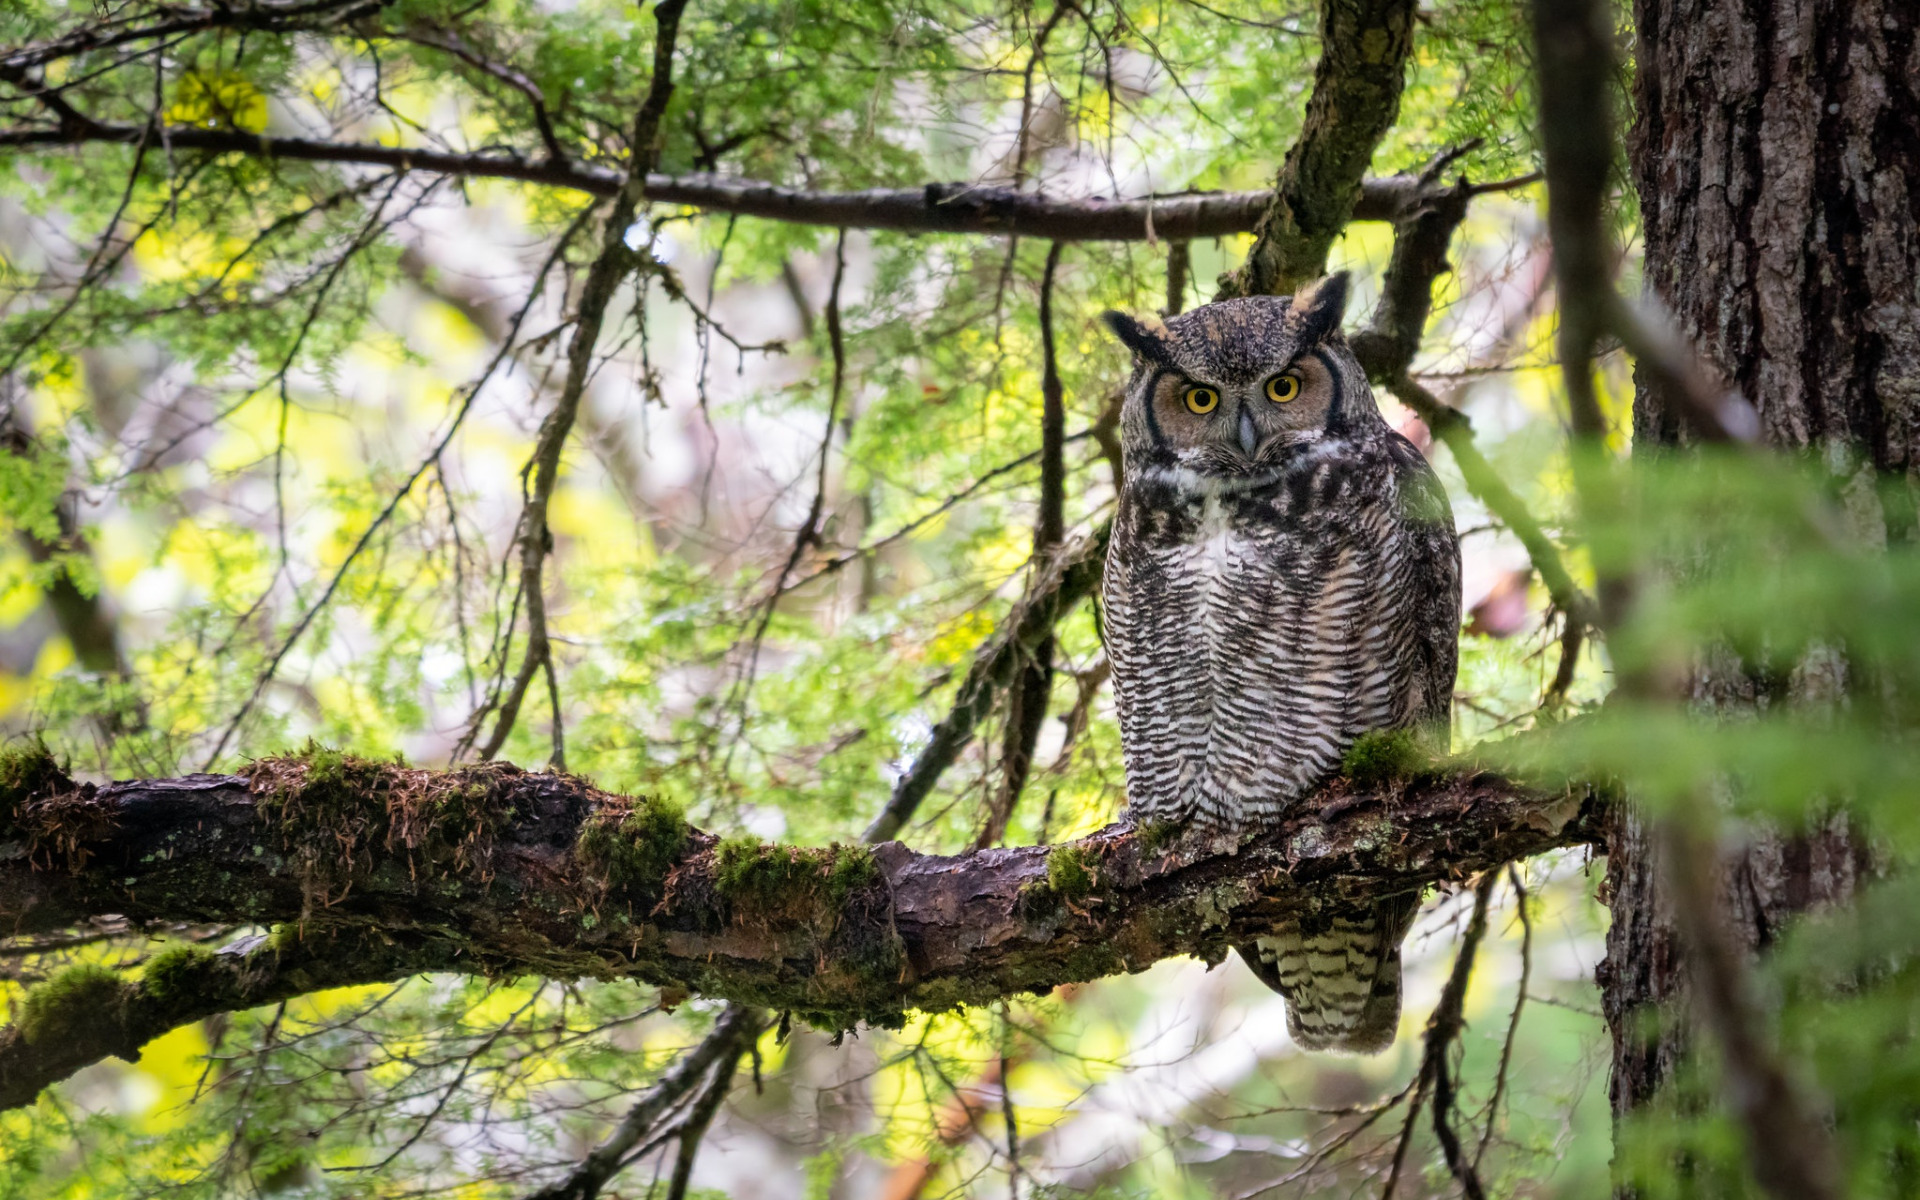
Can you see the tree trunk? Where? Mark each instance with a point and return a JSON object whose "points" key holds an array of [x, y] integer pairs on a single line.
{"points": [[1776, 151]]}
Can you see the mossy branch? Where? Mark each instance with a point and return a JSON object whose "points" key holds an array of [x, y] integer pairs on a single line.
{"points": [[87, 1012], [377, 871]]}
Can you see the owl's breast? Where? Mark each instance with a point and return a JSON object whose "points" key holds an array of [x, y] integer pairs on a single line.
{"points": [[1251, 640]]}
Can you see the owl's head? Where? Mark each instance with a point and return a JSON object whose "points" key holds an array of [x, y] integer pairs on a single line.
{"points": [[1233, 389]]}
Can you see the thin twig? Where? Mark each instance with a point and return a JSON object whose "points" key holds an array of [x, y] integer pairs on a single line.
{"points": [[694, 1128], [737, 1027], [1513, 1020], [1443, 1032], [1028, 694], [1069, 578], [809, 532], [609, 268]]}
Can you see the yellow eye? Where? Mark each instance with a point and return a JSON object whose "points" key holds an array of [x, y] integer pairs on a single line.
{"points": [[1283, 388], [1202, 400]]}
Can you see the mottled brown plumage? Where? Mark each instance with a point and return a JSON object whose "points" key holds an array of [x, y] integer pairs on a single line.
{"points": [[1283, 577]]}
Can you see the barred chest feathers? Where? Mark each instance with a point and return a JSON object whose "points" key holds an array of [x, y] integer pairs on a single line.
{"points": [[1256, 630]]}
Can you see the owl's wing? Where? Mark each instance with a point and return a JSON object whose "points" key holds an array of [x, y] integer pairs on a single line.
{"points": [[1433, 550]]}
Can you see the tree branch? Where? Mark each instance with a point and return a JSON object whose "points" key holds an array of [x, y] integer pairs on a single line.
{"points": [[91, 1014], [929, 208], [1386, 349], [491, 869], [1029, 692], [1365, 45], [612, 265], [716, 1054]]}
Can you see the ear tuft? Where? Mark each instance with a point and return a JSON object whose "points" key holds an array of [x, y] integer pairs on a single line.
{"points": [[1320, 307], [1144, 338]]}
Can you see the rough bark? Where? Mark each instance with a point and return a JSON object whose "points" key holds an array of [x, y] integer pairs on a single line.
{"points": [[496, 871], [1776, 152], [1356, 96]]}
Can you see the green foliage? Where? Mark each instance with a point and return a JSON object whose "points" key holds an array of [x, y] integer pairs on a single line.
{"points": [[355, 530], [79, 1002]]}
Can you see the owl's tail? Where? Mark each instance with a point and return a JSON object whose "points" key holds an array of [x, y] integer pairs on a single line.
{"points": [[1340, 973]]}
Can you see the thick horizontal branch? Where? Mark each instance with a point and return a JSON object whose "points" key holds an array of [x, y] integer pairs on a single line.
{"points": [[502, 872], [932, 208]]}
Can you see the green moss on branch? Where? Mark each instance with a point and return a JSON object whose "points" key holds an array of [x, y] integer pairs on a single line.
{"points": [[634, 850], [795, 882], [79, 1003], [1386, 756], [1069, 874]]}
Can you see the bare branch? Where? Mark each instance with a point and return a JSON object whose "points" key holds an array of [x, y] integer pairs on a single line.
{"points": [[716, 1054], [1520, 899], [261, 16], [1027, 694], [1443, 1033], [614, 262], [1068, 579], [929, 208], [1386, 349], [450, 43]]}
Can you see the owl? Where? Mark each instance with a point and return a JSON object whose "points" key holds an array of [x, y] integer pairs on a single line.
{"points": [[1283, 577]]}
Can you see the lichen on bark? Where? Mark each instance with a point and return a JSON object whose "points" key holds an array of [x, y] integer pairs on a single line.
{"points": [[1356, 97]]}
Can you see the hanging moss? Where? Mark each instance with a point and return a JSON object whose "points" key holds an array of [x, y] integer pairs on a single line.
{"points": [[634, 850], [78, 1002], [1385, 756]]}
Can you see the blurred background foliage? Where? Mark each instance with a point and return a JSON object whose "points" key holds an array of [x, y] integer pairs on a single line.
{"points": [[270, 423]]}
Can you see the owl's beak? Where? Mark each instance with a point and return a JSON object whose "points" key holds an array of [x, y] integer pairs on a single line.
{"points": [[1249, 438]]}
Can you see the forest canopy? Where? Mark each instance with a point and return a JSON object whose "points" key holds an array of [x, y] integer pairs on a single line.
{"points": [[548, 609]]}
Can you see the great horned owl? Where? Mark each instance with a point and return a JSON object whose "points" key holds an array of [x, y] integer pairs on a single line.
{"points": [[1284, 576]]}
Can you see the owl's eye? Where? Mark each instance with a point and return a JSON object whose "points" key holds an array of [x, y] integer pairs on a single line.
{"points": [[1283, 388], [1202, 400]]}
